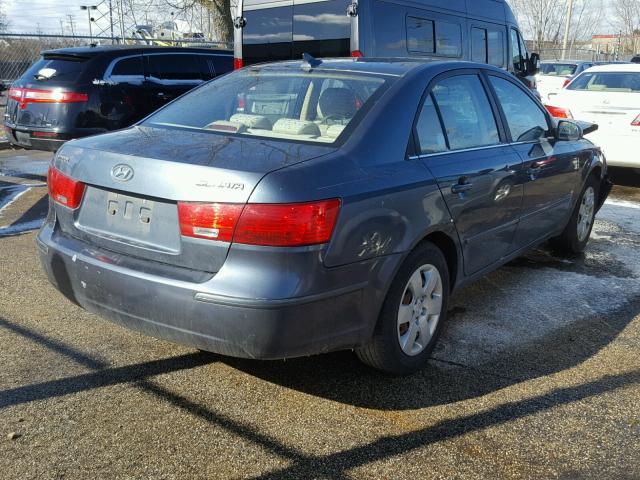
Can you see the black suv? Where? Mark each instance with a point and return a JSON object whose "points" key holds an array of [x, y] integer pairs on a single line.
{"points": [[75, 92]]}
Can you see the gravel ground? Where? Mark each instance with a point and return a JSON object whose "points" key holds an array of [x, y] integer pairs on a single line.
{"points": [[537, 376]]}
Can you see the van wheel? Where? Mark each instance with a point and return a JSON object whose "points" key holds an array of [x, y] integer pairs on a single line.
{"points": [[576, 234], [412, 314]]}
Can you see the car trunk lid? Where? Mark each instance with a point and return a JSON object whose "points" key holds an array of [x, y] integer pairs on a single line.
{"points": [[135, 178]]}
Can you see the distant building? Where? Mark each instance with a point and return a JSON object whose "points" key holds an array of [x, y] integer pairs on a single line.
{"points": [[620, 46]]}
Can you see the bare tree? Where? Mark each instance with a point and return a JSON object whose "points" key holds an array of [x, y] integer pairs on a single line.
{"points": [[218, 13], [4, 23], [627, 20], [543, 21]]}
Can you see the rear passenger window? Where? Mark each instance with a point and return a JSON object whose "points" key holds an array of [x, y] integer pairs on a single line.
{"points": [[429, 130], [448, 39], [466, 112], [420, 35], [525, 118], [174, 67], [128, 66]]}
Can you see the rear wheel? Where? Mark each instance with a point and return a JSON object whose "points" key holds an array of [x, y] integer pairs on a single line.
{"points": [[576, 234], [412, 314]]}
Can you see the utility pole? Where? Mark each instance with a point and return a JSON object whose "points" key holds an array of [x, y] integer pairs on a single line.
{"points": [[567, 29], [72, 25], [89, 8], [61, 26], [111, 18]]}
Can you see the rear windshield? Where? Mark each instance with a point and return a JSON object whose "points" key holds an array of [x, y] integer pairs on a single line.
{"points": [[559, 69], [66, 69], [607, 82], [317, 107]]}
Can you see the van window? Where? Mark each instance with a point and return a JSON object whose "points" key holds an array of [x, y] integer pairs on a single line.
{"points": [[129, 66], [448, 39], [429, 130], [487, 46], [268, 35], [479, 45], [518, 59], [466, 112], [174, 67], [322, 29], [420, 35], [495, 48], [527, 122]]}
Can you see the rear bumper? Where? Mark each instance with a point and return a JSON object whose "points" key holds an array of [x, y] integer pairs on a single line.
{"points": [[195, 314], [43, 143]]}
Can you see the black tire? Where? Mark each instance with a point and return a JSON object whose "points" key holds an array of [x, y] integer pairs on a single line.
{"points": [[569, 241], [384, 352]]}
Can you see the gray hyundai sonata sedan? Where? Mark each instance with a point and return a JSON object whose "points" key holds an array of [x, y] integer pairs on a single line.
{"points": [[302, 207]]}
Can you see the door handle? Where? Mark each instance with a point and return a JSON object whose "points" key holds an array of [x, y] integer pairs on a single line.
{"points": [[459, 188]]}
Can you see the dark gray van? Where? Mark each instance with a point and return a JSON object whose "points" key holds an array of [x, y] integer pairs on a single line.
{"points": [[484, 31]]}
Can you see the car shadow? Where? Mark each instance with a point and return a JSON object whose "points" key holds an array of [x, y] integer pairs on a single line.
{"points": [[342, 378]]}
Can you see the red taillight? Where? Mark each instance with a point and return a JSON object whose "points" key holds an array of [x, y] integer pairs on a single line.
{"points": [[275, 225], [44, 134], [64, 190], [213, 221], [566, 82], [238, 63], [15, 93], [287, 225], [636, 122], [31, 95], [357, 54], [558, 112]]}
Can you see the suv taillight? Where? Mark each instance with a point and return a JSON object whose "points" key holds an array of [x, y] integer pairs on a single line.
{"points": [[636, 122], [276, 225], [64, 190], [32, 95]]}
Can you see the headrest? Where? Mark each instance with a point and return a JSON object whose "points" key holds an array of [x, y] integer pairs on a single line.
{"points": [[339, 102], [292, 126], [251, 121]]}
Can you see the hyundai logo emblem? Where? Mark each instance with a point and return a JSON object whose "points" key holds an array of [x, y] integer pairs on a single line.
{"points": [[122, 172]]}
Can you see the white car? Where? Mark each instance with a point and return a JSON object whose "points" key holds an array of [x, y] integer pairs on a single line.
{"points": [[608, 95], [553, 76]]}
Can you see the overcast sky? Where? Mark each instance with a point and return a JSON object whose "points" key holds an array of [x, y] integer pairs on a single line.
{"points": [[26, 16]]}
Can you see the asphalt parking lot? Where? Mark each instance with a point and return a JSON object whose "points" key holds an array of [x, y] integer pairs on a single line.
{"points": [[537, 376]]}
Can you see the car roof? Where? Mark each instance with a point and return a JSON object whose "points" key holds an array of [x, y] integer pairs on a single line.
{"points": [[616, 67], [382, 66], [90, 51]]}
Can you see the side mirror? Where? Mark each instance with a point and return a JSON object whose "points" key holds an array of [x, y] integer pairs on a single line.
{"points": [[568, 131], [533, 64]]}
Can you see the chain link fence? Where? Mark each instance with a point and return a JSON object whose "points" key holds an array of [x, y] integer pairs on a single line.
{"points": [[575, 54], [19, 51]]}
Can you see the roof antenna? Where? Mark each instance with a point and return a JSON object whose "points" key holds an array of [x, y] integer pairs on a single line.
{"points": [[310, 61]]}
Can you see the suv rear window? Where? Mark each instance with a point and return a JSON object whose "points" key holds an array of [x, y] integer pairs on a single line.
{"points": [[607, 82], [57, 68], [315, 107]]}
